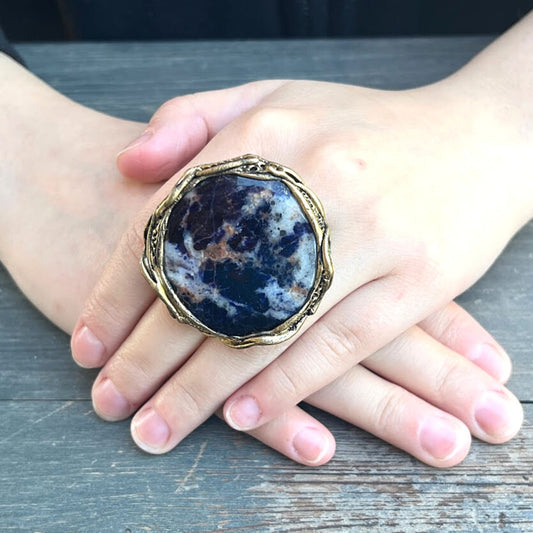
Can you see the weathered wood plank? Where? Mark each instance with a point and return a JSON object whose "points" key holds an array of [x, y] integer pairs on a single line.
{"points": [[62, 469], [131, 79]]}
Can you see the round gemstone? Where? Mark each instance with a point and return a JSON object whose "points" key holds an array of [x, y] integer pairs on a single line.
{"points": [[240, 254]]}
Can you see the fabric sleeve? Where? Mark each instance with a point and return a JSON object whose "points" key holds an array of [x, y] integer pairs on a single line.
{"points": [[7, 48]]}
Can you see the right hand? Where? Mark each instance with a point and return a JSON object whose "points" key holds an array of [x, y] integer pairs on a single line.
{"points": [[134, 350]]}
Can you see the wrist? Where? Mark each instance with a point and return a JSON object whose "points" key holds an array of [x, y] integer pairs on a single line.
{"points": [[495, 88], [492, 130], [29, 113]]}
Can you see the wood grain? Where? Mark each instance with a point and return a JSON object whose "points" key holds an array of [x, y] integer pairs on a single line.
{"points": [[67, 471], [64, 470], [131, 79]]}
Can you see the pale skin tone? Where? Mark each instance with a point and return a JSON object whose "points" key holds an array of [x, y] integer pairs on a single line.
{"points": [[421, 394], [417, 186]]}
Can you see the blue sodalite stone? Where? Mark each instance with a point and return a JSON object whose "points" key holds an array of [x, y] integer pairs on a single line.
{"points": [[240, 254]]}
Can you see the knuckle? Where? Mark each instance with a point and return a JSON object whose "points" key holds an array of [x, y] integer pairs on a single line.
{"points": [[449, 378], [174, 106], [333, 153], [102, 312], [100, 309], [447, 325], [266, 123], [428, 261], [339, 341], [287, 384], [266, 118], [198, 121], [186, 106], [389, 409], [181, 395], [336, 159], [336, 156], [131, 368], [133, 240], [180, 109], [420, 265]]}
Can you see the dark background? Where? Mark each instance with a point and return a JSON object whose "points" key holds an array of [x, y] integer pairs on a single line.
{"points": [[56, 20]]}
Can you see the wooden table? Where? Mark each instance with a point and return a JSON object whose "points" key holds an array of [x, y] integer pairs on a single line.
{"points": [[64, 470]]}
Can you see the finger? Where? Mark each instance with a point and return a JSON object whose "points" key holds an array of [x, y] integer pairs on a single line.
{"points": [[195, 391], [198, 389], [454, 327], [396, 416], [120, 298], [297, 435], [357, 326], [391, 412], [451, 382], [181, 127], [191, 395], [116, 303], [422, 430], [156, 348], [122, 295]]}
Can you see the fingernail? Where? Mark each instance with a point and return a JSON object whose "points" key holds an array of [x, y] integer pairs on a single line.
{"points": [[137, 142], [438, 437], [108, 402], [496, 414], [491, 360], [310, 444], [243, 413], [87, 349], [150, 431]]}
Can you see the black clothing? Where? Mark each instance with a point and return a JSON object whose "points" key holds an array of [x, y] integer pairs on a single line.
{"points": [[52, 20], [6, 47]]}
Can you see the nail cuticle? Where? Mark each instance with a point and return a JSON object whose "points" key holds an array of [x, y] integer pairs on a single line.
{"points": [[88, 347], [250, 412], [437, 435], [157, 425], [492, 414], [104, 389], [144, 137], [304, 438]]}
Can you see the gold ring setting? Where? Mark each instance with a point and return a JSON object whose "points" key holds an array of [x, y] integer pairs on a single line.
{"points": [[240, 250]]}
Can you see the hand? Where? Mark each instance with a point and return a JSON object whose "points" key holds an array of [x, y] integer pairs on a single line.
{"points": [[409, 231], [80, 218], [80, 206]]}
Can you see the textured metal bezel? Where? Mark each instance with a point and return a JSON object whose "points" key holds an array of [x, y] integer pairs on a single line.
{"points": [[250, 166]]}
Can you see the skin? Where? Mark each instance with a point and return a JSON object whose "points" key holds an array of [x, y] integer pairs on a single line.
{"points": [[81, 217], [412, 185]]}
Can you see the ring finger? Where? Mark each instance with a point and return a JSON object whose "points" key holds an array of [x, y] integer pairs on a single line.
{"points": [[451, 382], [395, 412], [176, 409]]}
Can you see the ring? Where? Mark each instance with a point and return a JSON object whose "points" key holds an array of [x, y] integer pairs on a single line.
{"points": [[240, 250]]}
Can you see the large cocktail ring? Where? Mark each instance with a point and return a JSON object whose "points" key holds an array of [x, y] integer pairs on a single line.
{"points": [[240, 250]]}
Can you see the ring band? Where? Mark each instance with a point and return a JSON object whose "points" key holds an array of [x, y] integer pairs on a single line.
{"points": [[240, 250]]}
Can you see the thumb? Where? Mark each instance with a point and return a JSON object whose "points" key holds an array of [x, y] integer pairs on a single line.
{"points": [[181, 127]]}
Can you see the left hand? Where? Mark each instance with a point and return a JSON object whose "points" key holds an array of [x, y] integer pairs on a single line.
{"points": [[81, 205], [399, 184]]}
